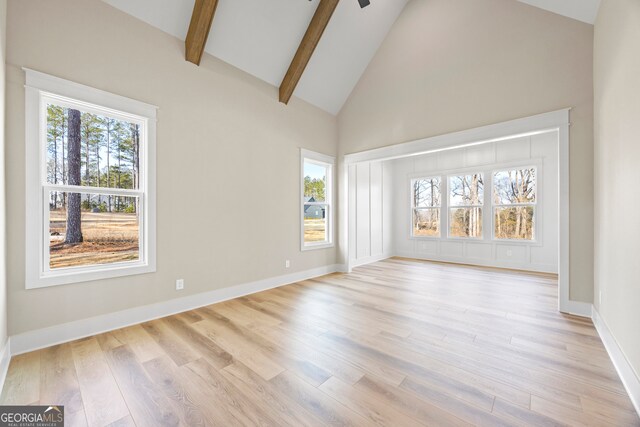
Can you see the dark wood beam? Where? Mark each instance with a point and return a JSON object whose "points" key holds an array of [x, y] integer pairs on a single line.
{"points": [[308, 44], [201, 20]]}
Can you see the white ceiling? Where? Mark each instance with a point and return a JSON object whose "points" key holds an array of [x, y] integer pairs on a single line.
{"points": [[582, 10], [262, 36]]}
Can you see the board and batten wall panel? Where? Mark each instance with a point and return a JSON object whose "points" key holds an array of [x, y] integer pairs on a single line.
{"points": [[368, 223], [538, 150]]}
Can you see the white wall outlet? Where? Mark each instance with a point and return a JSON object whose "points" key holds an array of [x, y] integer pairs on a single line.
{"points": [[179, 284], [509, 252], [287, 263]]}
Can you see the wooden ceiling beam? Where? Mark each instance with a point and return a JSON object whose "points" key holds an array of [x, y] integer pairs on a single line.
{"points": [[308, 44], [201, 19]]}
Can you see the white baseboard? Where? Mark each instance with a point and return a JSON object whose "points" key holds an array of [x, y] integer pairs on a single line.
{"points": [[625, 370], [5, 359], [368, 260], [577, 308], [538, 268], [46, 337]]}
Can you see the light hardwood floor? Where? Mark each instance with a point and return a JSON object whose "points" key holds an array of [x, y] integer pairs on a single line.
{"points": [[399, 342]]}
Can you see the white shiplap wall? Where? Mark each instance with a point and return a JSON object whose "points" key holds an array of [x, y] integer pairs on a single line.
{"points": [[541, 150]]}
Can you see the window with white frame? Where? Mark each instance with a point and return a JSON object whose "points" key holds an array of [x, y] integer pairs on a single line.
{"points": [[426, 203], [90, 183], [514, 204], [316, 203], [466, 199]]}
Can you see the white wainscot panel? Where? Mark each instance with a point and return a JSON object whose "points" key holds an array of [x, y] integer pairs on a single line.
{"points": [[513, 149], [544, 256], [480, 155], [452, 249], [482, 251], [427, 247], [450, 159], [363, 235], [511, 253], [376, 208]]}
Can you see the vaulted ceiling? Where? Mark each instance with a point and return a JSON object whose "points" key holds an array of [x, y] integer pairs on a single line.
{"points": [[262, 37]]}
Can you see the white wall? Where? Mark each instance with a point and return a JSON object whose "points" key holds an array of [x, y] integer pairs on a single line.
{"points": [[220, 132], [617, 156], [451, 65], [538, 150], [370, 225]]}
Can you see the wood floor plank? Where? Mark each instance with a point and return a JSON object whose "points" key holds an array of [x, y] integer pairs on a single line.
{"points": [[226, 336], [366, 404], [179, 351], [22, 385], [103, 402], [281, 407], [396, 342], [147, 405], [59, 383], [408, 403], [213, 383], [330, 411], [140, 342]]}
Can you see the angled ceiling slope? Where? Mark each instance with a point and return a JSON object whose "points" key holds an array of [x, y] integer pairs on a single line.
{"points": [[261, 38], [582, 10]]}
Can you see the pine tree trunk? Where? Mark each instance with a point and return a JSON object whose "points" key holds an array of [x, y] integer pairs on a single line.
{"points": [[74, 219]]}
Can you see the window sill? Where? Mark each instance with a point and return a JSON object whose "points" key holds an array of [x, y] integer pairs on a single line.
{"points": [[86, 275], [317, 246]]}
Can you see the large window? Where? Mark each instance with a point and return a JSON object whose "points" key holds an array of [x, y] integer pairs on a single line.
{"points": [[90, 200], [426, 202], [514, 200], [317, 172], [466, 198]]}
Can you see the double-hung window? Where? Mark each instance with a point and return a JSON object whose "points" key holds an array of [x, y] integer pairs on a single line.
{"points": [[466, 199], [514, 201], [317, 203], [90, 183], [426, 201]]}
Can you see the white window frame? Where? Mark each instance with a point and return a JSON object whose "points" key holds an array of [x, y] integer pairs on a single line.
{"points": [[482, 206], [41, 89], [537, 205], [441, 207], [328, 162]]}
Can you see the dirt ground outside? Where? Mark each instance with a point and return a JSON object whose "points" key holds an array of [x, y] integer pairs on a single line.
{"points": [[315, 230], [108, 237]]}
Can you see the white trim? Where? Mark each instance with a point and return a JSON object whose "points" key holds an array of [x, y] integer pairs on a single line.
{"points": [[369, 260], [55, 85], [328, 162], [534, 125], [39, 88], [46, 337], [466, 260], [497, 132], [625, 371], [5, 359]]}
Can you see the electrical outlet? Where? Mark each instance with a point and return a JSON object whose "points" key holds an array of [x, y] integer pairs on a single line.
{"points": [[287, 264], [179, 284], [509, 252]]}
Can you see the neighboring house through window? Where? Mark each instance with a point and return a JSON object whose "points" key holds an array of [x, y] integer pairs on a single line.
{"points": [[317, 194]]}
